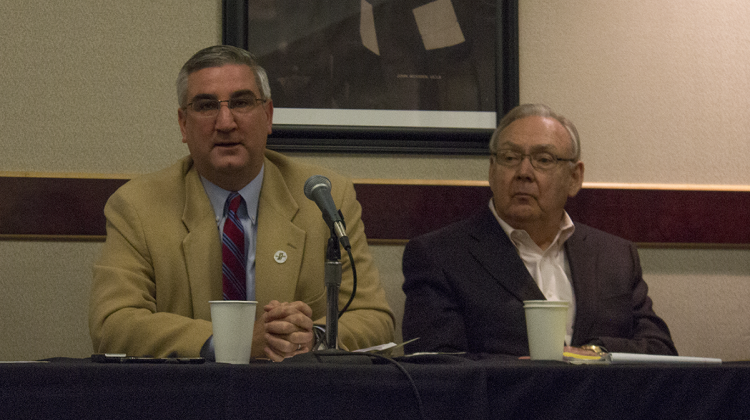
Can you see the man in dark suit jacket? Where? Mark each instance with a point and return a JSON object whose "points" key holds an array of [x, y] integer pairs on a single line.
{"points": [[465, 284]]}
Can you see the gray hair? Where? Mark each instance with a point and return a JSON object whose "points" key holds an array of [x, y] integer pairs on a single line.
{"points": [[217, 56], [540, 110]]}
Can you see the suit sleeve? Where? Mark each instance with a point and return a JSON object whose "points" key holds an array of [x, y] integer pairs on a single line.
{"points": [[650, 334], [369, 320], [431, 312], [123, 316]]}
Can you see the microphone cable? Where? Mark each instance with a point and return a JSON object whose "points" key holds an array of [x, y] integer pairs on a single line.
{"points": [[414, 389], [354, 282]]}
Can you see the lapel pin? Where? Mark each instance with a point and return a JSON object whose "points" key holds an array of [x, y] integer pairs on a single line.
{"points": [[280, 257]]}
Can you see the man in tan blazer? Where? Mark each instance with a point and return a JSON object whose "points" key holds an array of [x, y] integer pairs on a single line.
{"points": [[162, 261]]}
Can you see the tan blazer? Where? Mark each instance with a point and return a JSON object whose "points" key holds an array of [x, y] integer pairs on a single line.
{"points": [[161, 262]]}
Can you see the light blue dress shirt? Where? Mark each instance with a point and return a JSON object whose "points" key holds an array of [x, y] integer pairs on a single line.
{"points": [[248, 214]]}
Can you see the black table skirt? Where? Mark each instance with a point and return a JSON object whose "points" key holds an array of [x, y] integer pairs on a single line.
{"points": [[448, 387]]}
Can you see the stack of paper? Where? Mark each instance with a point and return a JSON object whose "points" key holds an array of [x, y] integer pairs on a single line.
{"points": [[616, 358], [634, 358]]}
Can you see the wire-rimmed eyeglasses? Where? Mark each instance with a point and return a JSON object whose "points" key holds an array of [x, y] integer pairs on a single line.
{"points": [[539, 160], [206, 107]]}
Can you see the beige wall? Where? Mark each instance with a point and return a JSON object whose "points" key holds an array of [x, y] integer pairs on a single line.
{"points": [[657, 89]]}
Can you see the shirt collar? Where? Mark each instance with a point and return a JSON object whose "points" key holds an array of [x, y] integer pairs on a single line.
{"points": [[563, 234], [250, 193]]}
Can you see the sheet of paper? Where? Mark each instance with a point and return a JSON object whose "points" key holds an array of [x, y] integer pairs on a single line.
{"points": [[617, 358], [386, 349], [367, 27], [438, 25]]}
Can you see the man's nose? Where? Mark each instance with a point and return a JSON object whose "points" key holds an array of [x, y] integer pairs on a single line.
{"points": [[525, 169], [225, 117]]}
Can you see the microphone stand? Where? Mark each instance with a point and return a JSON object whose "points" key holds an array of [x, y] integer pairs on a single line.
{"points": [[332, 354], [333, 283]]}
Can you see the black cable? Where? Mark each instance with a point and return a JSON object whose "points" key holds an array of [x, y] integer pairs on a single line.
{"points": [[414, 389], [347, 357], [354, 282]]}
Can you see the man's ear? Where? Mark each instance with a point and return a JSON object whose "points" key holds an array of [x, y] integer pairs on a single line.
{"points": [[182, 120], [576, 179], [268, 108]]}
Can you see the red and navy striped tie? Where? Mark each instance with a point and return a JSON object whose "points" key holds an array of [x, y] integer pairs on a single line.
{"points": [[233, 258]]}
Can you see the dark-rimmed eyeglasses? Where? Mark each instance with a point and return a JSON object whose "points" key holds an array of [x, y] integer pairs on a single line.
{"points": [[210, 107], [539, 160]]}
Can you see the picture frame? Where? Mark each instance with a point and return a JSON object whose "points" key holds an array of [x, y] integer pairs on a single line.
{"points": [[423, 130]]}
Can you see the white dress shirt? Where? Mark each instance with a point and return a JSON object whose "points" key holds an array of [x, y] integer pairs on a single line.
{"points": [[549, 268]]}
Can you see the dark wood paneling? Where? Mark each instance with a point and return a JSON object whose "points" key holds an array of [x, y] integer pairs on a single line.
{"points": [[643, 216], [66, 208], [54, 206], [666, 216], [401, 212]]}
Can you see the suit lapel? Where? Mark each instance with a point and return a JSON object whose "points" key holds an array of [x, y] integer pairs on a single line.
{"points": [[496, 253], [203, 268], [583, 276], [277, 237]]}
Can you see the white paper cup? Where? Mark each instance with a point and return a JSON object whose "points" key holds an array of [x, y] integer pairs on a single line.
{"points": [[233, 322], [545, 325]]}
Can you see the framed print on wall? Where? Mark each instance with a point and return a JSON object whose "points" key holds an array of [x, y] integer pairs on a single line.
{"points": [[388, 76]]}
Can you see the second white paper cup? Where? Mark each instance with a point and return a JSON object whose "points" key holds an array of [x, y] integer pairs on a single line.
{"points": [[545, 325], [233, 322]]}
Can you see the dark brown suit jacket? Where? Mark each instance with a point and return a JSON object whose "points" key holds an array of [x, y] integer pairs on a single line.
{"points": [[465, 285]]}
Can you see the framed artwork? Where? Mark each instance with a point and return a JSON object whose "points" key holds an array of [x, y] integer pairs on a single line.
{"points": [[383, 76]]}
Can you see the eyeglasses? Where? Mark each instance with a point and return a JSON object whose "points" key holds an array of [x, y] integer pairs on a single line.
{"points": [[539, 160], [210, 107]]}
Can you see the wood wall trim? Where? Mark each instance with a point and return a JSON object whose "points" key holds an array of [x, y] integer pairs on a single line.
{"points": [[74, 175], [586, 185], [53, 238], [70, 208], [423, 182], [667, 187]]}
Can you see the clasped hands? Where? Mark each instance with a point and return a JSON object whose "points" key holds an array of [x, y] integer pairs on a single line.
{"points": [[284, 330]]}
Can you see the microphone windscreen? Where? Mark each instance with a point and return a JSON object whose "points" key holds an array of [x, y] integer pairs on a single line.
{"points": [[316, 181]]}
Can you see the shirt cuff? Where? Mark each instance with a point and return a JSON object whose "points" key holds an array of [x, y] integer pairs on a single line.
{"points": [[207, 351]]}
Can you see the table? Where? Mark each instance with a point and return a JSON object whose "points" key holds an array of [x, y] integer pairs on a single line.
{"points": [[449, 387], [557, 391]]}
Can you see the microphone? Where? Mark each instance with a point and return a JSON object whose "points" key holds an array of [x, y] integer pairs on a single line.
{"points": [[318, 189]]}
